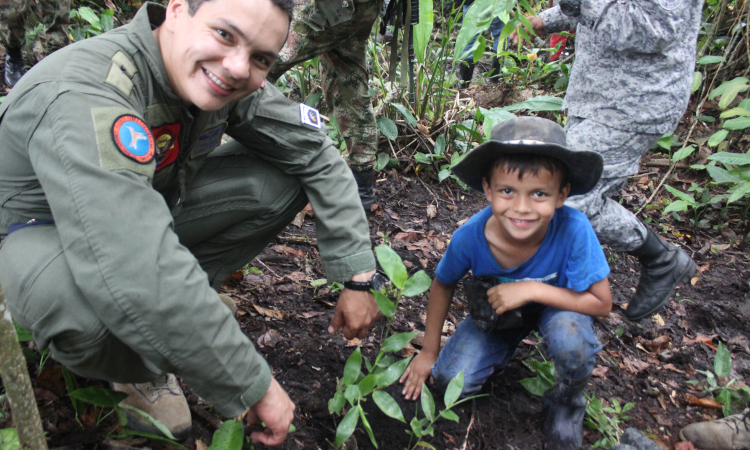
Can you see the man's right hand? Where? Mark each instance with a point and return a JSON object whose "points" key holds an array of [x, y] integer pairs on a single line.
{"points": [[276, 410], [536, 24]]}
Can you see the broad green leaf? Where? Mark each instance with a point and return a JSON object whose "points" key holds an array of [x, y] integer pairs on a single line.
{"points": [[387, 307], [368, 428], [734, 112], [387, 127], [745, 104], [740, 123], [416, 284], [731, 158], [405, 112], [385, 362], [353, 367], [23, 334], [352, 394], [392, 265], [367, 384], [681, 195], [423, 30], [388, 405], [677, 205], [739, 191], [722, 361], [478, 19], [229, 437], [449, 415], [422, 158], [439, 145], [428, 403], [681, 154], [493, 117], [721, 175], [396, 342], [9, 439], [89, 16], [453, 391], [347, 425], [336, 403], [128, 433], [319, 282], [445, 173], [535, 385], [717, 138], [393, 373], [104, 398], [728, 91], [540, 103], [697, 80], [147, 418], [428, 431], [479, 47], [665, 141], [424, 444], [416, 427], [710, 59], [107, 22], [382, 161]]}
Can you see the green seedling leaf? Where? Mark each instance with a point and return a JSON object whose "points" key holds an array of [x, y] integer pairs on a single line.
{"points": [[393, 373], [731, 158], [382, 161], [424, 444], [128, 433], [428, 403], [353, 367], [535, 385], [9, 439], [422, 158], [479, 47], [368, 428], [416, 427], [449, 415], [445, 173], [336, 403], [540, 103], [722, 361], [678, 205], [396, 342], [103, 398], [313, 99], [439, 145], [88, 14], [734, 112], [405, 112], [392, 265], [107, 21], [697, 80], [229, 437], [453, 391], [728, 91], [385, 362], [352, 393], [23, 334], [319, 282], [681, 154], [708, 119], [416, 284], [147, 417], [387, 127], [493, 117], [709, 59], [717, 138], [347, 425], [681, 195], [72, 385], [388, 405], [423, 30], [387, 307], [740, 123], [367, 384], [738, 192]]}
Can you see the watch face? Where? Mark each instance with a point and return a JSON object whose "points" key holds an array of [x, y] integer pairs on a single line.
{"points": [[377, 281]]}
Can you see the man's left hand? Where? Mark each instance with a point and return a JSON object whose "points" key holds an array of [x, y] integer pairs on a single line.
{"points": [[356, 311]]}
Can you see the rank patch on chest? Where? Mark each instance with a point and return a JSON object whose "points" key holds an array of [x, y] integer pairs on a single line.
{"points": [[133, 138], [208, 140], [309, 116]]}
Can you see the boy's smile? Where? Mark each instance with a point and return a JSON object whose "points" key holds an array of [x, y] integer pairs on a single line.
{"points": [[522, 208]]}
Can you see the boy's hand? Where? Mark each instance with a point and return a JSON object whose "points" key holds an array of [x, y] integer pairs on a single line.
{"points": [[507, 296], [416, 374]]}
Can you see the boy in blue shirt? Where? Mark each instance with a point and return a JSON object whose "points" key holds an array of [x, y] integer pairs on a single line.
{"points": [[547, 266]]}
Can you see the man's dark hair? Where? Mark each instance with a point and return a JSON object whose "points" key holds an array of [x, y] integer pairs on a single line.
{"points": [[286, 5], [526, 163]]}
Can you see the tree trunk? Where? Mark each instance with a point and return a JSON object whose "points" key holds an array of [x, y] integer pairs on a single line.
{"points": [[18, 385]]}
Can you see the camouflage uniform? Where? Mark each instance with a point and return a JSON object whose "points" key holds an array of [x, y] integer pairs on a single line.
{"points": [[630, 84], [338, 31], [53, 14]]}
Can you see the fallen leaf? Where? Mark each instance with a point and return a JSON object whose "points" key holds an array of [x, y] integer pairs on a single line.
{"points": [[270, 338], [461, 222], [686, 445], [353, 343], [408, 351], [659, 321], [308, 210], [656, 345], [634, 365], [392, 214], [408, 264], [673, 368], [299, 219], [296, 276], [600, 371], [423, 262], [431, 211], [703, 268], [451, 207], [272, 313], [289, 251], [703, 402], [311, 314], [700, 339], [406, 237], [423, 129], [694, 281]]}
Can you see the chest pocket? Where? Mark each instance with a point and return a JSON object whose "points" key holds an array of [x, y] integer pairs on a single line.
{"points": [[207, 140]]}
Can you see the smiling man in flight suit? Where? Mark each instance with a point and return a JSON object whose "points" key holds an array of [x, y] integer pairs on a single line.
{"points": [[121, 215]]}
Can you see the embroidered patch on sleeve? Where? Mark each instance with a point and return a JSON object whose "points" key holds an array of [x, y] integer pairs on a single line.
{"points": [[111, 156], [133, 138], [309, 116]]}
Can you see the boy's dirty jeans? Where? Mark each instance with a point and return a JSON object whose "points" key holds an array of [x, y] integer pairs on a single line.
{"points": [[568, 340]]}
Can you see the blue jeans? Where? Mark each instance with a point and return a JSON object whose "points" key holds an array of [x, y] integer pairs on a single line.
{"points": [[568, 340], [496, 27]]}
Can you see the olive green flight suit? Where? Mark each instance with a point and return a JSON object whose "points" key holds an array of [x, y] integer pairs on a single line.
{"points": [[150, 216]]}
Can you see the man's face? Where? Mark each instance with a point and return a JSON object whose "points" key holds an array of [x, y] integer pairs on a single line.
{"points": [[223, 52]]}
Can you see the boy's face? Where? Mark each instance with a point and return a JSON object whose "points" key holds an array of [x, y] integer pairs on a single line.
{"points": [[524, 208], [223, 52]]}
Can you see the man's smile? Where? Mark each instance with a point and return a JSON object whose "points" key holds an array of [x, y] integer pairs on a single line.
{"points": [[217, 81]]}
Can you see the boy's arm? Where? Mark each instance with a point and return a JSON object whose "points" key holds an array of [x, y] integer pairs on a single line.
{"points": [[419, 369], [594, 301]]}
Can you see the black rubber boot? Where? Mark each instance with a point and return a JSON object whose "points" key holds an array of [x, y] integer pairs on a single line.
{"points": [[564, 406], [465, 72], [495, 70], [14, 66], [365, 186], [663, 267]]}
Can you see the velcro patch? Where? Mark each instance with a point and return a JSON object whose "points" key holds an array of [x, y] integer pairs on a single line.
{"points": [[309, 116], [133, 138], [208, 140]]}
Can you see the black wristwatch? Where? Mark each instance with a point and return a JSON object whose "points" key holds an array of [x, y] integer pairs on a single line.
{"points": [[376, 282]]}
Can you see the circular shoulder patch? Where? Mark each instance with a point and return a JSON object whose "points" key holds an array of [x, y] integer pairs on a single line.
{"points": [[133, 138]]}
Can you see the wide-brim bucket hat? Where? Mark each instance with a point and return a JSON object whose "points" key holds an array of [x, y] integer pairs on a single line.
{"points": [[531, 135]]}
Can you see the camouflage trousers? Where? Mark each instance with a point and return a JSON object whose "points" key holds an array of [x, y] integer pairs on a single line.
{"points": [[622, 151], [337, 31], [18, 15]]}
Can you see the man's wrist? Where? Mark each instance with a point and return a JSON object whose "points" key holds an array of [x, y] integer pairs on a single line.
{"points": [[362, 282]]}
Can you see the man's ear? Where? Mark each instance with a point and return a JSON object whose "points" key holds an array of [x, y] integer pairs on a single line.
{"points": [[564, 192], [174, 9], [486, 186]]}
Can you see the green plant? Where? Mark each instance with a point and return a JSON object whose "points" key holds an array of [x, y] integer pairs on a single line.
{"points": [[85, 22], [544, 369], [606, 420], [403, 284], [730, 397]]}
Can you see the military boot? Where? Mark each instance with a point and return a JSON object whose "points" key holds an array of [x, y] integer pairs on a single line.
{"points": [[564, 406], [163, 400], [495, 70], [465, 72], [14, 66], [365, 186], [663, 267], [729, 433]]}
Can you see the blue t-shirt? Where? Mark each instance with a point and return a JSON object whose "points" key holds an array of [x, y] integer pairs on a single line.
{"points": [[570, 255]]}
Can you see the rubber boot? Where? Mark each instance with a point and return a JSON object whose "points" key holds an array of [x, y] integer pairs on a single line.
{"points": [[495, 70], [465, 72], [564, 406], [663, 267], [14, 66], [365, 186], [729, 433]]}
